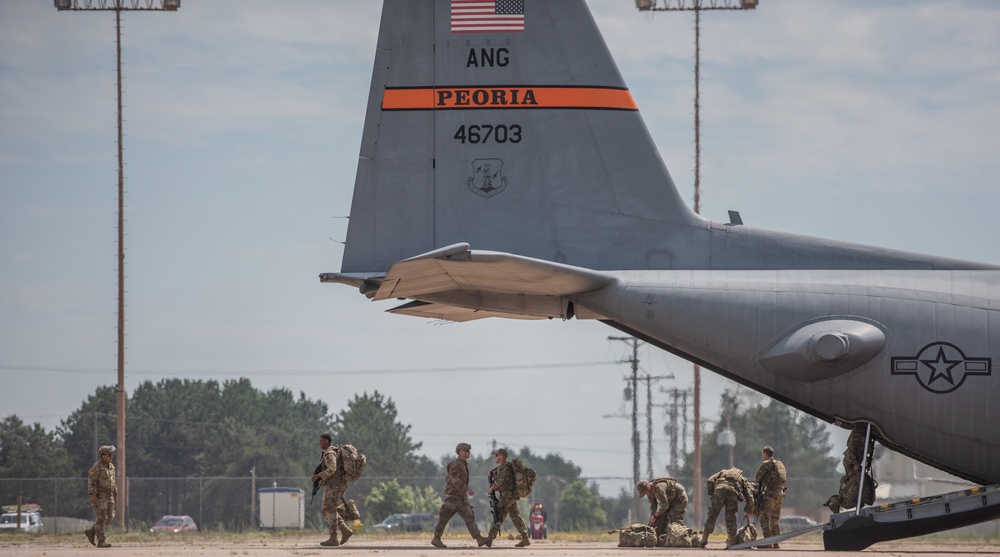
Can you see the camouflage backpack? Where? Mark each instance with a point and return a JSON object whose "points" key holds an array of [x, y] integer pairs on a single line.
{"points": [[524, 478], [679, 535], [636, 535], [747, 533], [351, 462]]}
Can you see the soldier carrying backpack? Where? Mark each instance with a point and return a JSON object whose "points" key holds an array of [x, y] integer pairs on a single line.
{"points": [[340, 465], [513, 480]]}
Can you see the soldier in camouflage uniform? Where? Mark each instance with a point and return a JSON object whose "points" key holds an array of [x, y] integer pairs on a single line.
{"points": [[847, 497], [726, 489], [456, 498], [103, 492], [771, 477], [503, 481], [667, 502], [334, 487]]}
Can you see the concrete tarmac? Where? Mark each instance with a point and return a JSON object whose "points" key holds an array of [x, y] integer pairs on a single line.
{"points": [[302, 545]]}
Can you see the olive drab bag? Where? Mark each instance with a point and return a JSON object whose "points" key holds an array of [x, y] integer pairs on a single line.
{"points": [[351, 462], [524, 478]]}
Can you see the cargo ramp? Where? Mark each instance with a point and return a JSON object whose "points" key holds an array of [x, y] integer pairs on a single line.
{"points": [[854, 531]]}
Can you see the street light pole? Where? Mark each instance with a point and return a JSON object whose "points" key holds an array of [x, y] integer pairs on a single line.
{"points": [[118, 6], [696, 6]]}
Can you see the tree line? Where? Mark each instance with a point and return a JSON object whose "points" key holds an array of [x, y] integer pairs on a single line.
{"points": [[210, 432]]}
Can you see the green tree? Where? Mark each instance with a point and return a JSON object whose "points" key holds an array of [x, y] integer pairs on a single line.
{"points": [[370, 423], [617, 508], [580, 508], [181, 430], [31, 452], [800, 441], [389, 498], [87, 428], [426, 500]]}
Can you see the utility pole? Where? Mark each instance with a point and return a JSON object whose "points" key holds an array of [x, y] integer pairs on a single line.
{"points": [[119, 6], [649, 419], [635, 409], [696, 6], [678, 427]]}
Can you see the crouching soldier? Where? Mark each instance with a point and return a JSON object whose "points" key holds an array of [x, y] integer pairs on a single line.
{"points": [[727, 488]]}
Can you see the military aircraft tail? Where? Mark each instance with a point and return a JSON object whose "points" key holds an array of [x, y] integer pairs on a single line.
{"points": [[507, 131]]}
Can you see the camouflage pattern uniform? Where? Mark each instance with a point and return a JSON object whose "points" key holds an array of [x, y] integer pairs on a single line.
{"points": [[667, 503], [504, 477], [101, 485], [334, 487], [847, 497], [726, 488], [456, 498], [771, 478]]}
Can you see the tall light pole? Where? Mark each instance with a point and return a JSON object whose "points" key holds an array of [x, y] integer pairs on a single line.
{"points": [[119, 6], [696, 6]]}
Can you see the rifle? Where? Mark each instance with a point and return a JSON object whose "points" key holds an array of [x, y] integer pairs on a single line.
{"points": [[494, 501], [758, 497], [319, 468]]}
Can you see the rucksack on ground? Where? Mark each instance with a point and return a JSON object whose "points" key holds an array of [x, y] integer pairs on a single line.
{"points": [[747, 533], [524, 478], [678, 535], [636, 535], [351, 462]]}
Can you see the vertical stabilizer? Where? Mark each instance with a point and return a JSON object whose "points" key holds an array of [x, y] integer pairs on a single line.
{"points": [[506, 124]]}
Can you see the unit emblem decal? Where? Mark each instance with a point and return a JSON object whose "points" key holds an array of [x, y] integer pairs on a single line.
{"points": [[941, 367], [487, 177]]}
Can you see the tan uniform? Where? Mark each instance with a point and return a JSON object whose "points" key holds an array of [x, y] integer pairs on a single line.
{"points": [[771, 476], [504, 477], [101, 482], [668, 503], [726, 489], [334, 487], [456, 498], [847, 497]]}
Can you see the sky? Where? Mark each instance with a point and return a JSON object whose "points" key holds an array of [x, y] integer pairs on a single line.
{"points": [[867, 122]]}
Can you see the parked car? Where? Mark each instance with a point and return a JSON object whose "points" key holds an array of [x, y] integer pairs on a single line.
{"points": [[794, 523], [31, 521], [171, 523], [405, 522]]}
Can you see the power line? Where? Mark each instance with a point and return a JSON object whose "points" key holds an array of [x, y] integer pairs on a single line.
{"points": [[303, 372]]}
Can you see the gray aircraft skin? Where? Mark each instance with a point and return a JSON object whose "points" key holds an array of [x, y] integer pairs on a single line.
{"points": [[520, 139]]}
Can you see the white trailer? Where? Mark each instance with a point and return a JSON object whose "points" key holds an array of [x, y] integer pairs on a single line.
{"points": [[282, 507]]}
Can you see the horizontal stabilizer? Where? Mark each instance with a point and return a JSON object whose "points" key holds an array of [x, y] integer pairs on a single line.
{"points": [[447, 312], [457, 268]]}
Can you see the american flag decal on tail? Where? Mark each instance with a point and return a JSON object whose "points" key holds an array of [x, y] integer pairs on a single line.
{"points": [[487, 16]]}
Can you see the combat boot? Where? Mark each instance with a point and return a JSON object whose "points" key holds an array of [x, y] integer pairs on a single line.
{"points": [[103, 543], [436, 542], [346, 532], [704, 541], [332, 542], [89, 532], [482, 540], [524, 541]]}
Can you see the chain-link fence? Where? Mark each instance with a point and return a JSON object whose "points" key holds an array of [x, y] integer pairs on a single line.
{"points": [[230, 503]]}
